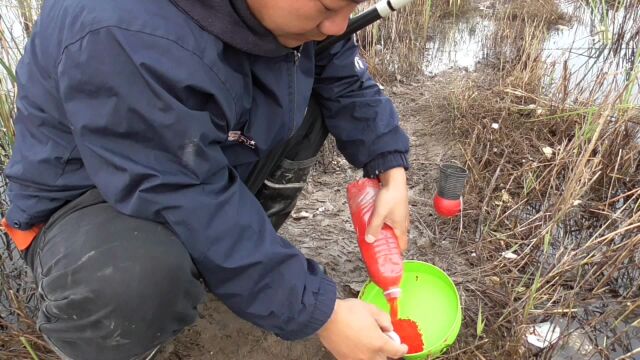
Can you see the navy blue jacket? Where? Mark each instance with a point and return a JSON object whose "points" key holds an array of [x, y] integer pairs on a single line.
{"points": [[136, 99]]}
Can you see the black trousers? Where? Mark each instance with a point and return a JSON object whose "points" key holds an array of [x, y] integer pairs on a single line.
{"points": [[111, 286]]}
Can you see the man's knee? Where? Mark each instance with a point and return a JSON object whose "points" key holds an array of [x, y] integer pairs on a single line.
{"points": [[115, 298]]}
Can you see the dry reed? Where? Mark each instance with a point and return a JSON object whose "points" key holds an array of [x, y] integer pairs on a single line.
{"points": [[556, 178], [394, 48]]}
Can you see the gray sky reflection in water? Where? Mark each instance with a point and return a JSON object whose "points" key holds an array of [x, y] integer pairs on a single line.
{"points": [[585, 46]]}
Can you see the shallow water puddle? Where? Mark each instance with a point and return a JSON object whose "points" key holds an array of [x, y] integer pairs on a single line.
{"points": [[599, 45], [457, 44]]}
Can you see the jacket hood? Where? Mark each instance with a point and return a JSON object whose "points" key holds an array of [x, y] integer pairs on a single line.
{"points": [[233, 23]]}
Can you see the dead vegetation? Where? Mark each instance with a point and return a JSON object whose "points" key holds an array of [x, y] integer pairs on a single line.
{"points": [[19, 338], [544, 11], [558, 188], [553, 212], [394, 48]]}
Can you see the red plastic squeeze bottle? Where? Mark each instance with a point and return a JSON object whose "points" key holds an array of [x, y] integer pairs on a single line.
{"points": [[383, 257]]}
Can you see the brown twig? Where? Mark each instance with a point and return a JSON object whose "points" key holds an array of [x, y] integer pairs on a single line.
{"points": [[488, 195]]}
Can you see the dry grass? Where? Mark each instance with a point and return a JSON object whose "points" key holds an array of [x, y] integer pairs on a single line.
{"points": [[545, 11], [394, 48], [570, 214], [19, 338], [448, 9], [391, 47], [558, 185]]}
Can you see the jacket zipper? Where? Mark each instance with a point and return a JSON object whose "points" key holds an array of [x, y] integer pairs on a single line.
{"points": [[296, 58]]}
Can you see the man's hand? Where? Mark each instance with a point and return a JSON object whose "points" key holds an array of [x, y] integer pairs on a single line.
{"points": [[355, 331], [392, 207]]}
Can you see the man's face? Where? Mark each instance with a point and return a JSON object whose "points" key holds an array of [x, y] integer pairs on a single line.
{"points": [[294, 22]]}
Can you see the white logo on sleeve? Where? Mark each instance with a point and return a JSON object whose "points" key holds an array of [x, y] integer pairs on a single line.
{"points": [[359, 63]]}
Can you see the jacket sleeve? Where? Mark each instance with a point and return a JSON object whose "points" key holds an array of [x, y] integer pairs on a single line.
{"points": [[149, 118], [358, 114]]}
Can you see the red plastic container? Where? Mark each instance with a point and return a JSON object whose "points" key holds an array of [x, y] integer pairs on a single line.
{"points": [[383, 257], [447, 208], [447, 201]]}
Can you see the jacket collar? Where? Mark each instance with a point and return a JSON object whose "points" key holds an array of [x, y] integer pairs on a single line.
{"points": [[233, 23]]}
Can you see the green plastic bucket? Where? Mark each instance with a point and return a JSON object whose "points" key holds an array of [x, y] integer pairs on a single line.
{"points": [[429, 298]]}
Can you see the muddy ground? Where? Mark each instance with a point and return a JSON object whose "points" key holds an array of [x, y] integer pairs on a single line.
{"points": [[321, 227]]}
